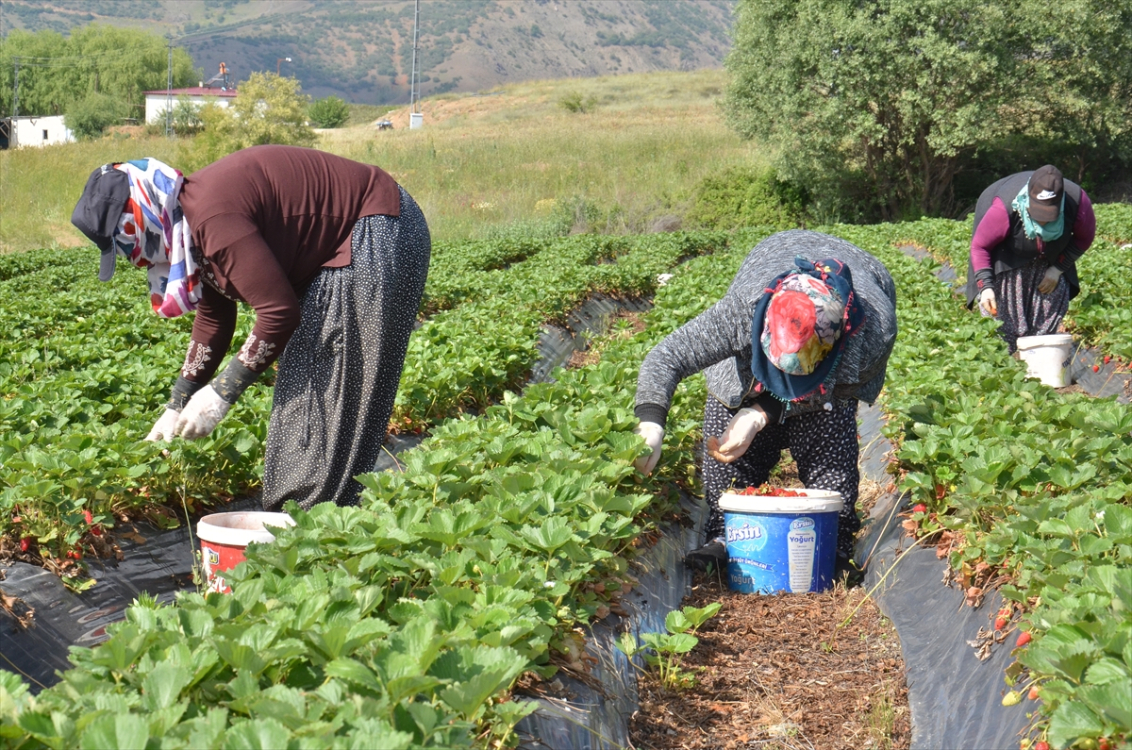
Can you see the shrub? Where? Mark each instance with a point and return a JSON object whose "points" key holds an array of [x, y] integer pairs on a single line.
{"points": [[573, 101], [90, 116], [747, 197], [186, 117], [267, 109], [329, 112]]}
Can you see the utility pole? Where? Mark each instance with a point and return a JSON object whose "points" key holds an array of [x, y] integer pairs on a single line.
{"points": [[169, 93], [413, 99], [16, 91]]}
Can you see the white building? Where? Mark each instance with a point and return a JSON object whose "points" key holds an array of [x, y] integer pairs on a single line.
{"points": [[23, 131], [157, 101]]}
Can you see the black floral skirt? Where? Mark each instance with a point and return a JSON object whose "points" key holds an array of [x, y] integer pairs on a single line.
{"points": [[339, 374]]}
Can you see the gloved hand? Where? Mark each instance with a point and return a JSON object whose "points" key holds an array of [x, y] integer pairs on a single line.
{"points": [[201, 415], [1049, 281], [735, 440], [654, 438], [987, 302], [163, 429]]}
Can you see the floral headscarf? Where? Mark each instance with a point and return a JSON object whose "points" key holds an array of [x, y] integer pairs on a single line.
{"points": [[154, 234], [800, 327]]}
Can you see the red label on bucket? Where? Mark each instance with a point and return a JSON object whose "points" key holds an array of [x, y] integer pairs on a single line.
{"points": [[217, 558]]}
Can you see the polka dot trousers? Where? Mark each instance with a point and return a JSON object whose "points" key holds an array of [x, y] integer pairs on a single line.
{"points": [[339, 374], [822, 443]]}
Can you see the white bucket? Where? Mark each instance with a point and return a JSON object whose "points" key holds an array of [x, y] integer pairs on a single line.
{"points": [[1047, 358], [224, 536], [781, 544]]}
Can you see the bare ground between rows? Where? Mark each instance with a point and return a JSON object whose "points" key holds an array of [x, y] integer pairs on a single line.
{"points": [[777, 672]]}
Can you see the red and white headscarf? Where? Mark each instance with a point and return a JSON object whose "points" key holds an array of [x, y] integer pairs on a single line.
{"points": [[154, 234]]}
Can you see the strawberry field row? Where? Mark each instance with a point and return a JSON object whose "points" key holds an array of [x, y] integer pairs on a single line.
{"points": [[1025, 488], [77, 401]]}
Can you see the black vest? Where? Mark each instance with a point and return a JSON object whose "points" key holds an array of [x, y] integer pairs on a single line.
{"points": [[1017, 249]]}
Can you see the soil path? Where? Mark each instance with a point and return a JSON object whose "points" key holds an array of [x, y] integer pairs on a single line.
{"points": [[776, 672]]}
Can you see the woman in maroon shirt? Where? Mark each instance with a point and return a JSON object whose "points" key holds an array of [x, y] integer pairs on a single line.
{"points": [[331, 254], [1030, 229]]}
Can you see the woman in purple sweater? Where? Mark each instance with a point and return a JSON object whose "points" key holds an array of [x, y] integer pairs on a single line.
{"points": [[1030, 229]]}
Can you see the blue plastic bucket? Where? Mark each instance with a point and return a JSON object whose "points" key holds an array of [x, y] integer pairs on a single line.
{"points": [[781, 544]]}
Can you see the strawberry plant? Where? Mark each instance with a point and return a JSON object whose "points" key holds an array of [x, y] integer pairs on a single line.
{"points": [[663, 650]]}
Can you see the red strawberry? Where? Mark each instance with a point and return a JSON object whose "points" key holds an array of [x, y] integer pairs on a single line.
{"points": [[1104, 744], [88, 516], [24, 544], [1034, 693], [1000, 623], [96, 530], [919, 508], [1023, 638], [1041, 745], [1096, 368], [1107, 359]]}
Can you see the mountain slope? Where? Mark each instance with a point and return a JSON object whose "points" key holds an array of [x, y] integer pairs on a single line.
{"points": [[362, 51]]}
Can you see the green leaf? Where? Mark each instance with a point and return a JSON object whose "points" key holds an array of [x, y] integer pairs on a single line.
{"points": [[1106, 671], [257, 734], [1070, 720], [1113, 701], [355, 672], [163, 685], [677, 622], [468, 697], [119, 731]]}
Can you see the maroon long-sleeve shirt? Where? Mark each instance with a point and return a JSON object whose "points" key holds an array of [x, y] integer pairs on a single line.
{"points": [[265, 221], [994, 229]]}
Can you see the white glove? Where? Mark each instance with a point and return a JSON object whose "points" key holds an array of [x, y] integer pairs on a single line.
{"points": [[1049, 281], [163, 429], [987, 302], [201, 415], [736, 439], [654, 438]]}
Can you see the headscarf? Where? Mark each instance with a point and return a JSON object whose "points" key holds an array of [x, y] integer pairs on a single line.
{"points": [[1047, 232], [801, 325], [154, 234]]}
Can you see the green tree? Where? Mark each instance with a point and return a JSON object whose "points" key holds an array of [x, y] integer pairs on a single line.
{"points": [[873, 105], [56, 71], [329, 112], [90, 116], [267, 109], [1079, 90]]}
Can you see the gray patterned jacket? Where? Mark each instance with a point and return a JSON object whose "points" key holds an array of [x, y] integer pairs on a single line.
{"points": [[719, 339]]}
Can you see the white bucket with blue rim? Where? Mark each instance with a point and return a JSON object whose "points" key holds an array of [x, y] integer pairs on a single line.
{"points": [[781, 544]]}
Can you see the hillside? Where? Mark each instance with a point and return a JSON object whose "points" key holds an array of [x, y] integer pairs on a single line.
{"points": [[362, 51]]}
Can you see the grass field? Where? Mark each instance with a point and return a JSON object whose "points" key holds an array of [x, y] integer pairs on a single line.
{"points": [[508, 155]]}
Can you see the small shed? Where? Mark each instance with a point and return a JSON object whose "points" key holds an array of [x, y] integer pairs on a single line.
{"points": [[24, 131], [157, 101]]}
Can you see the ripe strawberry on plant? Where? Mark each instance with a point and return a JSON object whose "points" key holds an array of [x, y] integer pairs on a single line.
{"points": [[24, 544], [919, 508], [1041, 745], [1096, 368], [88, 516], [1023, 638], [1000, 623], [1034, 693]]}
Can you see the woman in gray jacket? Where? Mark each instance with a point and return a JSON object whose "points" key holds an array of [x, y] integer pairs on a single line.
{"points": [[802, 335]]}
